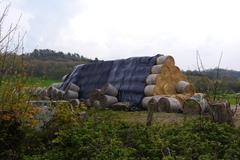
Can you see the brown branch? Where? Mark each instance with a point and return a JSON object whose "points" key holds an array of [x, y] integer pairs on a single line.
{"points": [[217, 78]]}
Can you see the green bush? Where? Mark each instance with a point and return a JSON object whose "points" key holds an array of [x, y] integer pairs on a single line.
{"points": [[106, 138], [103, 136]]}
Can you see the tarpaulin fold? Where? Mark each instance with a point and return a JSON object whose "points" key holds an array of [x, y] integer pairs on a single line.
{"points": [[127, 75]]}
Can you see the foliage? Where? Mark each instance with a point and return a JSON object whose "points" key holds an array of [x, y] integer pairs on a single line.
{"points": [[228, 82], [51, 64], [104, 137], [16, 116]]}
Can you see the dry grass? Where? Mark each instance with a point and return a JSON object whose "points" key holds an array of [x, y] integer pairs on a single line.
{"points": [[158, 117]]}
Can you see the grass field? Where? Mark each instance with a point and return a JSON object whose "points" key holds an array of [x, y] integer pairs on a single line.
{"points": [[159, 118], [32, 81], [40, 82], [230, 97]]}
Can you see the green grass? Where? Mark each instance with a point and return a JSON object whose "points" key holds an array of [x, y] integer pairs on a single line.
{"points": [[40, 82], [31, 81], [140, 117], [230, 97]]}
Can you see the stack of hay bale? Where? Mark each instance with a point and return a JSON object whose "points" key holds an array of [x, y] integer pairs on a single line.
{"points": [[167, 86], [104, 97], [39, 93], [70, 93]]}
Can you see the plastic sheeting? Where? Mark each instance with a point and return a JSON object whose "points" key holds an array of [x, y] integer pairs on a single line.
{"points": [[127, 75]]}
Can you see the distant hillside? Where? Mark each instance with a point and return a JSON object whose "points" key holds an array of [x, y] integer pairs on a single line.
{"points": [[212, 74], [228, 80], [47, 54], [52, 64]]}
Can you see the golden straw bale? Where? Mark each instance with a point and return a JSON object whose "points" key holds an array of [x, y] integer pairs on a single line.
{"points": [[167, 60]]}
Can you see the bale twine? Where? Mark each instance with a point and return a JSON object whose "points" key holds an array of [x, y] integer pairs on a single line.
{"points": [[169, 104], [69, 94], [151, 79], [110, 90], [184, 87], [72, 87], [149, 90], [168, 60], [196, 104], [160, 69], [146, 100]]}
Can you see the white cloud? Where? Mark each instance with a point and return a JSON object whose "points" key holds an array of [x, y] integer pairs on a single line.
{"points": [[110, 29]]}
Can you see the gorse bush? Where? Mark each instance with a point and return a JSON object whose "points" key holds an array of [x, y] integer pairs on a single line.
{"points": [[16, 117]]}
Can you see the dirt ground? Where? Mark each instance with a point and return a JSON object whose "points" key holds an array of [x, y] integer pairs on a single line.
{"points": [[166, 118]]}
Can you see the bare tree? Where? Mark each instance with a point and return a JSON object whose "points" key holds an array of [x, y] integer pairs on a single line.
{"points": [[11, 43]]}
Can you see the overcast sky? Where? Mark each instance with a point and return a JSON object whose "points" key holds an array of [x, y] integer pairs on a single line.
{"points": [[113, 29]]}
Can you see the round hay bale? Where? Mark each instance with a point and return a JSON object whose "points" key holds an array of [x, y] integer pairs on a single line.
{"points": [[158, 90], [71, 95], [153, 104], [49, 91], [96, 104], [75, 102], [149, 89], [169, 88], [72, 87], [191, 106], [43, 92], [196, 104], [87, 102], [121, 106], [168, 60], [174, 69], [152, 79], [179, 77], [182, 97], [221, 112], [107, 101], [60, 94], [160, 69], [184, 87], [146, 100], [95, 96], [169, 104], [56, 85], [110, 90]]}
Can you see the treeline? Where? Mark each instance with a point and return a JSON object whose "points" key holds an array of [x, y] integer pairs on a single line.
{"points": [[50, 64], [227, 81]]}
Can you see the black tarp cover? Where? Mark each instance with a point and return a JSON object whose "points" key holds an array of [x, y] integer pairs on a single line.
{"points": [[127, 75]]}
